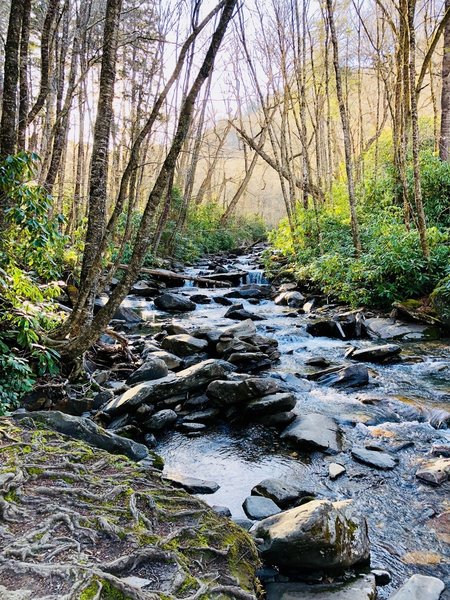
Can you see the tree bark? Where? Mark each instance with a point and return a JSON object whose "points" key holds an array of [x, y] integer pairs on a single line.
{"points": [[444, 138], [345, 130]]}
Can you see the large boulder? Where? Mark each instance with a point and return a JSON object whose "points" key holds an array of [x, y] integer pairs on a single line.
{"points": [[313, 432], [225, 393], [259, 507], [390, 329], [153, 368], [174, 303], [328, 536], [195, 377], [183, 345], [82, 428]]}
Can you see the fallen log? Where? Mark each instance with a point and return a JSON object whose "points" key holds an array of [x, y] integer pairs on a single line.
{"points": [[165, 273]]}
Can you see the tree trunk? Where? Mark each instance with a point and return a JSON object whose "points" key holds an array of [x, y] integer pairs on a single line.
{"points": [[8, 125], [444, 138], [345, 130]]}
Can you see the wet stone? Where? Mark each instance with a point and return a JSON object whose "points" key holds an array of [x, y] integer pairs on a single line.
{"points": [[335, 470], [274, 403], [153, 368], [435, 471], [374, 458], [361, 589], [420, 587], [352, 376], [174, 303], [259, 507], [192, 484], [183, 344], [376, 353], [163, 419], [283, 494], [313, 432]]}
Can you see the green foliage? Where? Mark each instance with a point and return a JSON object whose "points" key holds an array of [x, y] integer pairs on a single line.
{"points": [[32, 250], [34, 240], [440, 299], [391, 267]]}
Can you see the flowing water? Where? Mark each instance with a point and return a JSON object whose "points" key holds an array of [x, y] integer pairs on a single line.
{"points": [[405, 408]]}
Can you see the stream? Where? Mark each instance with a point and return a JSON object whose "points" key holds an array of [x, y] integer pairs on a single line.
{"points": [[408, 529]]}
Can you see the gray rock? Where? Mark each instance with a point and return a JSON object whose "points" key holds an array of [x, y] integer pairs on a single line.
{"points": [[274, 403], [389, 329], [225, 393], [291, 299], [153, 368], [7, 594], [239, 313], [283, 494], [203, 416], [224, 511], [144, 289], [183, 344], [335, 470], [189, 427], [314, 432], [175, 329], [150, 440], [246, 329], [352, 376], [376, 353], [172, 361], [259, 507], [195, 377], [363, 588], [86, 430], [174, 303], [244, 523], [435, 471], [317, 535], [163, 419], [192, 484], [420, 587], [374, 458], [317, 361], [250, 361], [201, 299], [278, 420]]}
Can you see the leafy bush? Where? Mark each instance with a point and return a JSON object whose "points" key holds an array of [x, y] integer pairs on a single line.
{"points": [[32, 252]]}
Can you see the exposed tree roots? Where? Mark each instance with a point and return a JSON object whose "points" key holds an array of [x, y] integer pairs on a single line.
{"points": [[81, 524]]}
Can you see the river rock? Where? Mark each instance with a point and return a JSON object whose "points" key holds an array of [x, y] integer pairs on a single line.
{"points": [[374, 458], [153, 368], [274, 403], [201, 299], [172, 361], [192, 484], [250, 361], [283, 494], [317, 535], [144, 289], [239, 313], [174, 303], [313, 432], [227, 347], [195, 377], [251, 290], [225, 393], [363, 588], [163, 419], [243, 330], [291, 299], [174, 329], [435, 471], [222, 300], [376, 353], [203, 416], [340, 327], [420, 587], [389, 329], [335, 470], [279, 420], [183, 345], [352, 376], [82, 428], [259, 507]]}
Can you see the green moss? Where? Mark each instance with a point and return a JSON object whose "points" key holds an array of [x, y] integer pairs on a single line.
{"points": [[11, 496], [89, 592]]}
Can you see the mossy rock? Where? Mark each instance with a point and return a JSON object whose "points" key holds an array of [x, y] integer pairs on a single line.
{"points": [[82, 522]]}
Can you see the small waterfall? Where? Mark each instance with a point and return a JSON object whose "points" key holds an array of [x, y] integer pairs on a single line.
{"points": [[256, 277]]}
